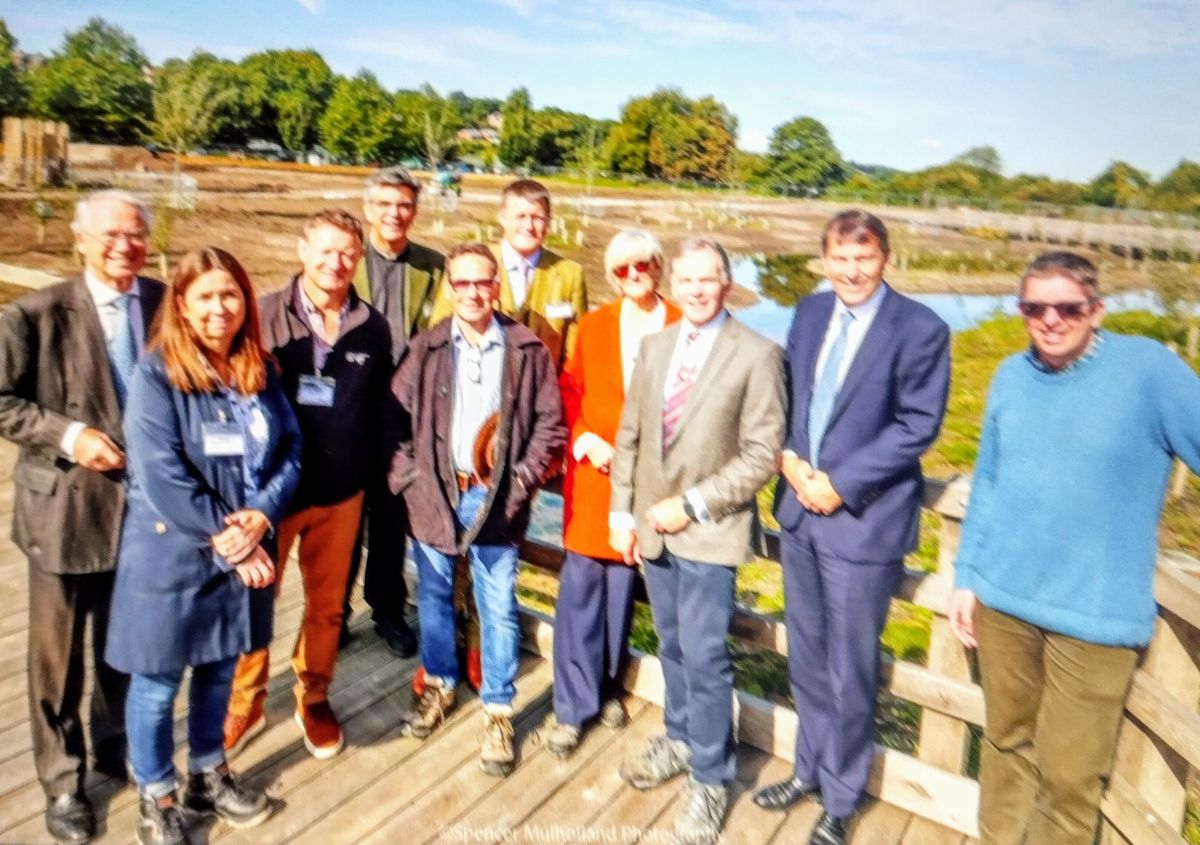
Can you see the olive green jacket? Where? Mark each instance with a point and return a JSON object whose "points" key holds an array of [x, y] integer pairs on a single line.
{"points": [[423, 274]]}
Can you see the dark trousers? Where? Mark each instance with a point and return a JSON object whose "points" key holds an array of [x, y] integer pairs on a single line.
{"points": [[835, 613], [383, 530], [59, 607], [693, 608], [591, 623]]}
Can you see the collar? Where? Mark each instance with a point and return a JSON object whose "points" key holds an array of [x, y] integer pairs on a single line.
{"points": [[494, 336], [864, 310], [712, 326], [514, 260], [310, 308], [1088, 355], [388, 256], [103, 294]]}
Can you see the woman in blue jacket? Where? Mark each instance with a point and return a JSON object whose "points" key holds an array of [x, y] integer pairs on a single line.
{"points": [[214, 455]]}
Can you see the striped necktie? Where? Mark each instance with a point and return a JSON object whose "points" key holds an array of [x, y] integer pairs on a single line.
{"points": [[825, 391], [681, 385]]}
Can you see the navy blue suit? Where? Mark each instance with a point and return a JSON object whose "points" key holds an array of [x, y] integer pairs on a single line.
{"points": [[841, 570]]}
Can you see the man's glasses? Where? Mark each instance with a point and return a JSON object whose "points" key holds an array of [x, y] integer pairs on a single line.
{"points": [[464, 285], [111, 238], [642, 267], [1065, 310]]}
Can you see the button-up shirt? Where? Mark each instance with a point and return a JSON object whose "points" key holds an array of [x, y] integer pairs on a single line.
{"points": [[316, 321], [520, 272], [864, 314], [478, 381]]}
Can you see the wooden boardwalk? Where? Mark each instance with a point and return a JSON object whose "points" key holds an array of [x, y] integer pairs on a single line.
{"points": [[386, 788]]}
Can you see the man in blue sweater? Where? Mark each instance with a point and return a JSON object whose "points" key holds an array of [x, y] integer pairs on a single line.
{"points": [[1054, 577]]}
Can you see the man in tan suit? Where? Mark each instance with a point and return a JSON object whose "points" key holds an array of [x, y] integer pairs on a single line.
{"points": [[701, 432]]}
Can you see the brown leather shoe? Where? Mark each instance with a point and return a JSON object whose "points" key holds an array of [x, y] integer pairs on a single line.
{"points": [[240, 728], [322, 733], [431, 709]]}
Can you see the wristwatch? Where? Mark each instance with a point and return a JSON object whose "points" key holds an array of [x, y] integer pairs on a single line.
{"points": [[688, 510]]}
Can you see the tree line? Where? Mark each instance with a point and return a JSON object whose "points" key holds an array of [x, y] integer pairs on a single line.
{"points": [[101, 83]]}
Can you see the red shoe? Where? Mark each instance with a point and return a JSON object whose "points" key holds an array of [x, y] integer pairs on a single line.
{"points": [[418, 683], [474, 668], [322, 733], [241, 728]]}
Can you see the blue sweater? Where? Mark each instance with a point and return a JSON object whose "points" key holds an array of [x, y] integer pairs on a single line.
{"points": [[1062, 527]]}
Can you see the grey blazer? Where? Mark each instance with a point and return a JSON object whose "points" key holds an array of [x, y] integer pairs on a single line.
{"points": [[54, 370], [727, 446]]}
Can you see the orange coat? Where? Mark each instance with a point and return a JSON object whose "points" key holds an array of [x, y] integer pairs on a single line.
{"points": [[593, 393]]}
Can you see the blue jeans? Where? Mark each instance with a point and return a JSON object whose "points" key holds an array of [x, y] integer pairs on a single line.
{"points": [[494, 572], [149, 723]]}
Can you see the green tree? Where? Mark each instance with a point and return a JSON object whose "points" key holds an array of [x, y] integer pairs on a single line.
{"points": [[13, 95], [185, 110], [1025, 187], [1179, 190], [1120, 186], [984, 158], [96, 82], [666, 135], [289, 89], [234, 115], [750, 168], [360, 121], [802, 153], [440, 122], [516, 135]]}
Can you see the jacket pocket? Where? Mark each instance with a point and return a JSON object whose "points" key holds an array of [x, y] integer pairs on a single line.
{"points": [[36, 477]]}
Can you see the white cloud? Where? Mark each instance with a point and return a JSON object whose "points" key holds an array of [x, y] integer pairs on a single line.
{"points": [[680, 22], [524, 8], [311, 6]]}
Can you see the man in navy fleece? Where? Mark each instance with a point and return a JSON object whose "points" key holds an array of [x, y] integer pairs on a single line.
{"points": [[1054, 578]]}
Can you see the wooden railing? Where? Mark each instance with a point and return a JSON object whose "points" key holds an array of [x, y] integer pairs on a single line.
{"points": [[1159, 745]]}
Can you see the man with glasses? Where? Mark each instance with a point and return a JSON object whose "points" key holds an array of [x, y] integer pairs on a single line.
{"points": [[1054, 577], [400, 279], [66, 355], [486, 428]]}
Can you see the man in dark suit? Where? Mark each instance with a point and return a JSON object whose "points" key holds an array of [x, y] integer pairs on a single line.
{"points": [[700, 434], [66, 353], [400, 279], [869, 372]]}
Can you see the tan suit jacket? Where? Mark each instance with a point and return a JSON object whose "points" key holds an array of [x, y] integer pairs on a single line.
{"points": [[727, 445]]}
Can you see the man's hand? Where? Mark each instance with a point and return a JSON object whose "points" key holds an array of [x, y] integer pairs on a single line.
{"points": [[243, 532], [668, 517], [962, 616], [626, 545], [95, 450], [797, 471], [600, 454], [817, 494], [257, 570]]}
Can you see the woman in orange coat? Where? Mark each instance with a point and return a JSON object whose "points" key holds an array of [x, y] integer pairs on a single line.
{"points": [[595, 588]]}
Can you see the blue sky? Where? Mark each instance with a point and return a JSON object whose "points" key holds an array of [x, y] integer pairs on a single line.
{"points": [[1060, 87]]}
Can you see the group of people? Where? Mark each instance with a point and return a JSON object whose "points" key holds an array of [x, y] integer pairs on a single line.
{"points": [[178, 440]]}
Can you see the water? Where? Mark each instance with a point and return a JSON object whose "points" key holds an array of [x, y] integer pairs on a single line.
{"points": [[780, 281]]}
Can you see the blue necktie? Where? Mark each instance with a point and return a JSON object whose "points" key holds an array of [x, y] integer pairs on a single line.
{"points": [[122, 349], [826, 388]]}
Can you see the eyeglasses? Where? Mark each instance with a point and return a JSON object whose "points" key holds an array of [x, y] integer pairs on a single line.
{"points": [[112, 237], [1065, 310], [642, 267], [464, 285], [383, 205]]}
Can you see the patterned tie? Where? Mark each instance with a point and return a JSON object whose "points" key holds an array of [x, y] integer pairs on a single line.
{"points": [[122, 349], [680, 386], [826, 388]]}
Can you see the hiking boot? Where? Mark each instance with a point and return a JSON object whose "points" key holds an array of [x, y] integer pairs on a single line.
{"points": [[418, 682], [431, 709], [70, 818], [562, 739], [241, 728], [322, 733], [662, 760], [700, 820], [496, 754], [613, 714], [215, 792], [160, 821]]}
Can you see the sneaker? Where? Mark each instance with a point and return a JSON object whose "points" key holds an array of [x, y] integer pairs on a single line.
{"points": [[215, 792], [241, 728], [70, 818], [613, 714], [431, 709], [418, 683], [700, 820], [322, 733], [496, 754], [662, 760], [562, 738], [160, 821]]}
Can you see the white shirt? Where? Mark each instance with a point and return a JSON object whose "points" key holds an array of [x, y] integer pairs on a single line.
{"points": [[474, 399], [864, 314], [520, 272]]}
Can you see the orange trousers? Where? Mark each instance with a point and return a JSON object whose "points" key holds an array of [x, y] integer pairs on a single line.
{"points": [[327, 535]]}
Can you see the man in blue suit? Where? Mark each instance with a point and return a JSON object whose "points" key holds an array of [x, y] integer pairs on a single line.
{"points": [[868, 374]]}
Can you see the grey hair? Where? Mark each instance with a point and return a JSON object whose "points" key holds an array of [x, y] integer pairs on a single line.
{"points": [[392, 177], [700, 242], [86, 206], [632, 245]]}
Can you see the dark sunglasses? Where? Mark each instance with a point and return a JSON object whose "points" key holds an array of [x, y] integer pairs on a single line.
{"points": [[643, 267], [1065, 310]]}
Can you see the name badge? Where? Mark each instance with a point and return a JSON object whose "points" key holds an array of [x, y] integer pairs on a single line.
{"points": [[222, 440], [560, 310], [316, 391]]}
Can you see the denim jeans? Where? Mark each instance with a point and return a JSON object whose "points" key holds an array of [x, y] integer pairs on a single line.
{"points": [[149, 723], [494, 571]]}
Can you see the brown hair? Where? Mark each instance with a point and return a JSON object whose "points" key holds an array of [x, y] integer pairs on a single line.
{"points": [[1067, 264], [338, 219], [472, 248], [187, 369], [527, 189], [856, 226]]}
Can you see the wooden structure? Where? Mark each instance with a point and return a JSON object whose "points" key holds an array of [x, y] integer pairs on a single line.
{"points": [[35, 151], [386, 787]]}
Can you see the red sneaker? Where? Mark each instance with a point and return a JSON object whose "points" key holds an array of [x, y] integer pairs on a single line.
{"points": [[322, 733]]}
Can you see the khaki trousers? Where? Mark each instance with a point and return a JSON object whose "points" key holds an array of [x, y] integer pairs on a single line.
{"points": [[327, 536], [1054, 704]]}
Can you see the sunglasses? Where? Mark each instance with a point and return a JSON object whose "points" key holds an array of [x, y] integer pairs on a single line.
{"points": [[642, 267], [463, 285], [1065, 310]]}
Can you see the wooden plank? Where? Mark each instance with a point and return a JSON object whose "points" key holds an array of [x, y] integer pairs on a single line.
{"points": [[799, 821], [924, 832], [879, 824], [1177, 585], [1152, 704], [1128, 812]]}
